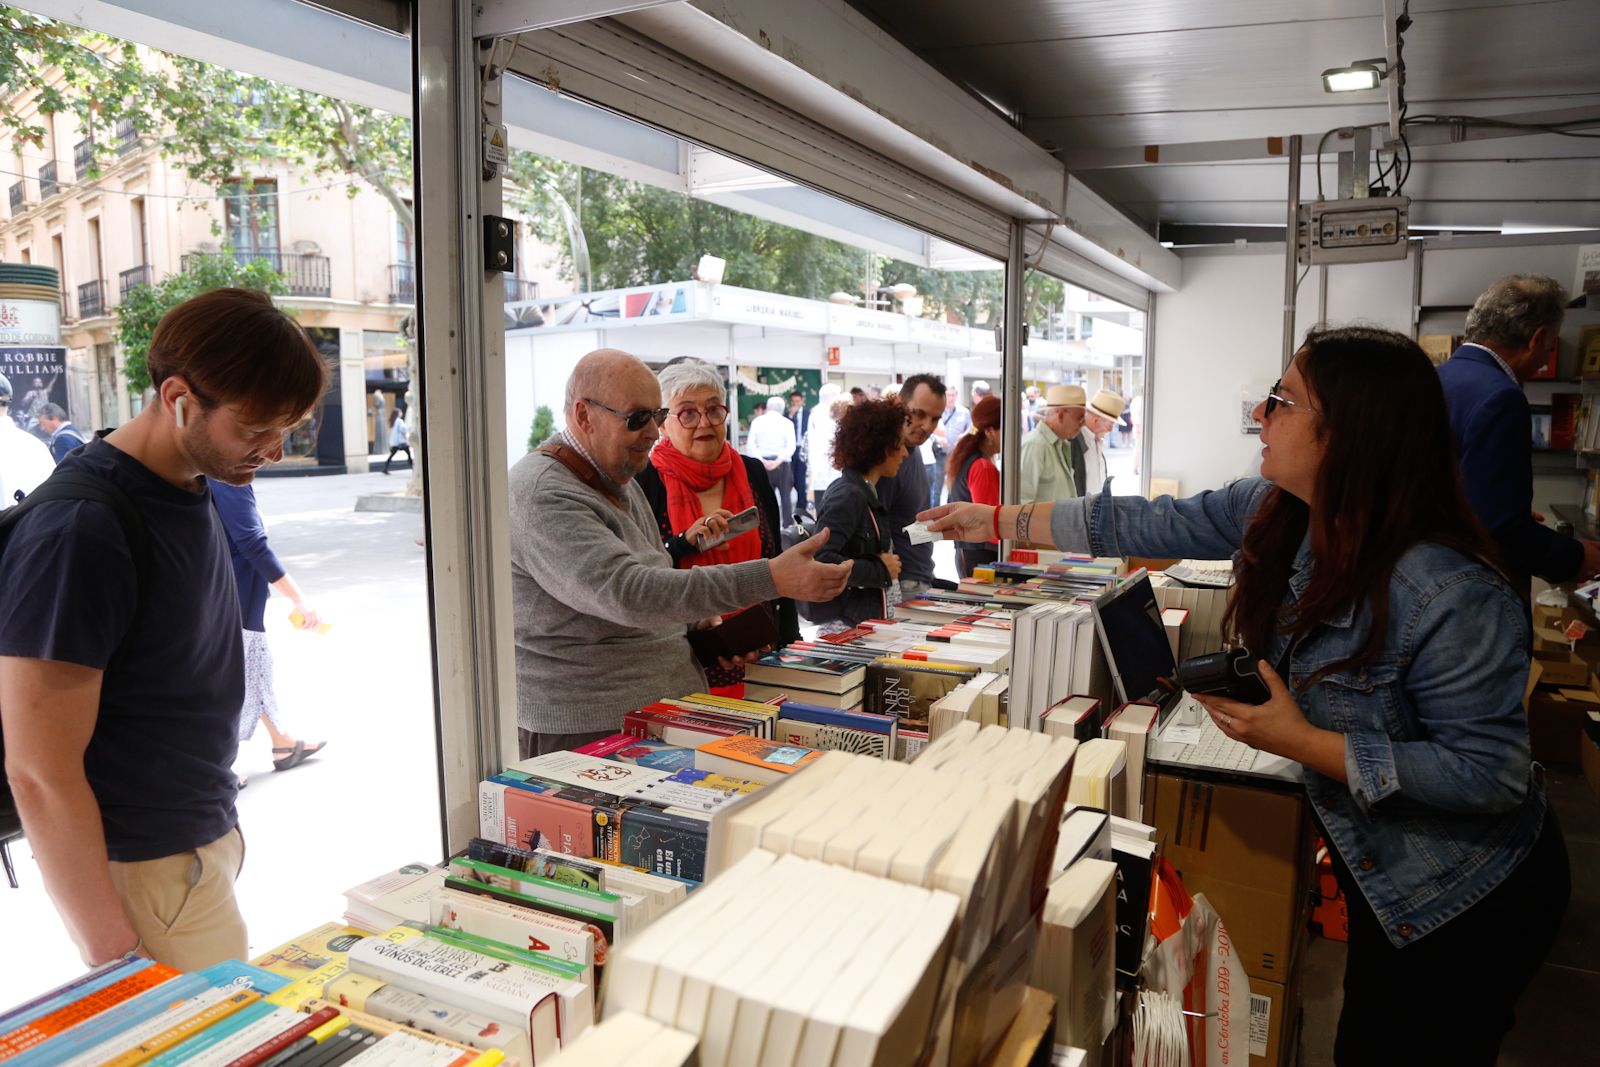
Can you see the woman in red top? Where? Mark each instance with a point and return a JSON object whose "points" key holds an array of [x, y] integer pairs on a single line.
{"points": [[975, 478], [696, 480]]}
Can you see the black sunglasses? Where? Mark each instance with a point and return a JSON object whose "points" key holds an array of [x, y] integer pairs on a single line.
{"points": [[1274, 400], [634, 421]]}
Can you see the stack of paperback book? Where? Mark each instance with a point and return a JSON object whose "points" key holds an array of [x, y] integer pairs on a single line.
{"points": [[975, 816]]}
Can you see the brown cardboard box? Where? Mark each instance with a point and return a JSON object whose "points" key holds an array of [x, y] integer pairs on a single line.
{"points": [[1550, 639], [1589, 758], [1031, 1036], [1555, 721], [1544, 615], [1560, 667], [1275, 1016], [1248, 849]]}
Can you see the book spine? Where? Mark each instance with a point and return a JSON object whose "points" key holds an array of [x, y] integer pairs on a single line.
{"points": [[491, 811], [271, 1047], [86, 1007], [62, 995], [185, 1029]]}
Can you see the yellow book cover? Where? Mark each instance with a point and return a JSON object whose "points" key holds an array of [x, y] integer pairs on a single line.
{"points": [[303, 956]]}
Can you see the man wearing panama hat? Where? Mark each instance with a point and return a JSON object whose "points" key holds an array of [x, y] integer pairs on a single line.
{"points": [[1052, 468], [1100, 415]]}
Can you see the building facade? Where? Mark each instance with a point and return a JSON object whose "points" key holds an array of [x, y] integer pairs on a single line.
{"points": [[348, 260]]}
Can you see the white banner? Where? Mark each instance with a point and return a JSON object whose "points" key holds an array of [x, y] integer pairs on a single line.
{"points": [[30, 322]]}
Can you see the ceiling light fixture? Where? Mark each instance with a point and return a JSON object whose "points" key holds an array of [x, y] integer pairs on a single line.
{"points": [[1362, 74]]}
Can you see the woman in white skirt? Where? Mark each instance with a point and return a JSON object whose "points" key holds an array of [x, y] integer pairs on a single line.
{"points": [[255, 568]]}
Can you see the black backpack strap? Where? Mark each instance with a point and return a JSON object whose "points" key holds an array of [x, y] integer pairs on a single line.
{"points": [[82, 485]]}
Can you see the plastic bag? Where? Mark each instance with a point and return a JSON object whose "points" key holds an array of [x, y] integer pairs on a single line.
{"points": [[1192, 959]]}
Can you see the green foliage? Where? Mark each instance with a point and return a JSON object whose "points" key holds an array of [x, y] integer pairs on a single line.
{"points": [[144, 305], [544, 427], [214, 123]]}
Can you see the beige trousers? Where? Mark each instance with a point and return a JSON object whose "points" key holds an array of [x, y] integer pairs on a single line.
{"points": [[183, 905]]}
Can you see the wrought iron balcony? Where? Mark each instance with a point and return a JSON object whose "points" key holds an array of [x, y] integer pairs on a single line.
{"points": [[48, 186], [127, 137], [306, 275], [402, 283], [132, 278], [83, 158], [90, 301]]}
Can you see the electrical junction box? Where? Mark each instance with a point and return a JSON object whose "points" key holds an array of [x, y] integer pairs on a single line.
{"points": [[1352, 231]]}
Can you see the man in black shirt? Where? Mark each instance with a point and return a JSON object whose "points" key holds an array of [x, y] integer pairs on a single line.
{"points": [[907, 492], [120, 698]]}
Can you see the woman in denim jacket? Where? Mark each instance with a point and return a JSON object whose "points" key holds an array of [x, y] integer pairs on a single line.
{"points": [[1397, 656]]}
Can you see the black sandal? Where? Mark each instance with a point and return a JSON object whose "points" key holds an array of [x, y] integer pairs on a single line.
{"points": [[297, 755]]}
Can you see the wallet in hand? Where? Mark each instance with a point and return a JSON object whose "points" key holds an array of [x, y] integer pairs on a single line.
{"points": [[747, 631]]}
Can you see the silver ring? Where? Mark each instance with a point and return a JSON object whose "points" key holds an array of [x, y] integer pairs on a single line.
{"points": [[1227, 720]]}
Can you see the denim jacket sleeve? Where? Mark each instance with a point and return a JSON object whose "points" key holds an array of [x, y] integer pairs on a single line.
{"points": [[1473, 754], [1208, 526]]}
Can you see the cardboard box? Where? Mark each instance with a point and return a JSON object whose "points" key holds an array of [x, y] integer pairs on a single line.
{"points": [[1555, 721], [1030, 1038], [1544, 615], [1275, 1018], [1248, 849], [1560, 667], [1589, 754]]}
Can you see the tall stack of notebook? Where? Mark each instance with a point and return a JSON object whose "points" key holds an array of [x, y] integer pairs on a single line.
{"points": [[784, 959], [975, 815]]}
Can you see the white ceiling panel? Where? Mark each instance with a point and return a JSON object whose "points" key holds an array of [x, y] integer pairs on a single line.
{"points": [[1082, 77]]}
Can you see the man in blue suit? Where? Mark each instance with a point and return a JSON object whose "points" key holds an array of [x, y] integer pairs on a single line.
{"points": [[1511, 332]]}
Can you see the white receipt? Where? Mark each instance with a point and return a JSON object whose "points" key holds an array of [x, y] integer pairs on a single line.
{"points": [[1182, 735], [921, 535]]}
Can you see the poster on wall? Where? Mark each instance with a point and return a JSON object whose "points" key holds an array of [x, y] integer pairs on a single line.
{"points": [[1587, 282], [37, 376]]}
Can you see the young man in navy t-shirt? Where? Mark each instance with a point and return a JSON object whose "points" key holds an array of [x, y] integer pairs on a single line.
{"points": [[120, 704]]}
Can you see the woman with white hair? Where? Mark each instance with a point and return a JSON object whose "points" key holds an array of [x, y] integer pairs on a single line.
{"points": [[696, 481]]}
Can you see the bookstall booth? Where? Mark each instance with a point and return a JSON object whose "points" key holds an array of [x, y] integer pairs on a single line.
{"points": [[952, 837]]}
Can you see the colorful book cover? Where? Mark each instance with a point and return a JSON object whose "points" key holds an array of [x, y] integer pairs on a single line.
{"points": [[244, 976], [589, 772], [536, 818], [45, 1027], [641, 752], [824, 738], [105, 1026], [602, 927], [371, 996], [535, 886], [769, 755], [302, 955], [665, 842], [62, 995], [574, 942], [854, 720]]}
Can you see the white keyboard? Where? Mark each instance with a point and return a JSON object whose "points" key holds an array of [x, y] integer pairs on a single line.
{"points": [[1204, 577], [1216, 749]]}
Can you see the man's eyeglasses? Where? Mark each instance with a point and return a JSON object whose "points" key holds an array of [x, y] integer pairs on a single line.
{"points": [[689, 418], [1276, 400], [634, 421]]}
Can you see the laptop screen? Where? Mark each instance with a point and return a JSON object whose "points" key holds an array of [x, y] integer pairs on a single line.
{"points": [[1135, 642]]}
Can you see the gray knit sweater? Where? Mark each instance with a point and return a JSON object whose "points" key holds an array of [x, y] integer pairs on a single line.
{"points": [[600, 612]]}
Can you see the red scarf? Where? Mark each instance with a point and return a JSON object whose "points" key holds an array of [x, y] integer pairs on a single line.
{"points": [[685, 478]]}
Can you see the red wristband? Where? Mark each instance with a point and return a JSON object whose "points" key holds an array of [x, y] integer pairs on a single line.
{"points": [[997, 522]]}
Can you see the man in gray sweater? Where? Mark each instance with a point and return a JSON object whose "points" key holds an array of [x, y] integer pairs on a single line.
{"points": [[601, 616]]}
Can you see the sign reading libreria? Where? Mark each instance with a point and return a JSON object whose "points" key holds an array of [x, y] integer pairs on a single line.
{"points": [[38, 376]]}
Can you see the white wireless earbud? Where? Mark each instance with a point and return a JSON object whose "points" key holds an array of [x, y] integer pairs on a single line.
{"points": [[177, 408]]}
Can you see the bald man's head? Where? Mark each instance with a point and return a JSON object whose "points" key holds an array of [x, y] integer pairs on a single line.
{"points": [[602, 369], [607, 387]]}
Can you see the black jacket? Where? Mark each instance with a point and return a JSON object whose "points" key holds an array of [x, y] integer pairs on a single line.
{"points": [[655, 491], [858, 531]]}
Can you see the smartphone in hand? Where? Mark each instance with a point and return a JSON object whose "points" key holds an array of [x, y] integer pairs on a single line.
{"points": [[740, 524]]}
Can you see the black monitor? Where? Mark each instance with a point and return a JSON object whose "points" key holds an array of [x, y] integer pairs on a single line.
{"points": [[1128, 619]]}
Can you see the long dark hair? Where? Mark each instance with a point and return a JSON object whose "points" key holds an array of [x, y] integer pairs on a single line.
{"points": [[985, 416], [1389, 480]]}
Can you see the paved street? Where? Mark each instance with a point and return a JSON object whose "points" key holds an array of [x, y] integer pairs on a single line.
{"points": [[370, 802]]}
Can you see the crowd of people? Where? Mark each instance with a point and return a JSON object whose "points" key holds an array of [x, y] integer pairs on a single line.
{"points": [[1387, 602]]}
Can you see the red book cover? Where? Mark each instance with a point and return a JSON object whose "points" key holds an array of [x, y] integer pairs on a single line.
{"points": [[540, 820], [1564, 420]]}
